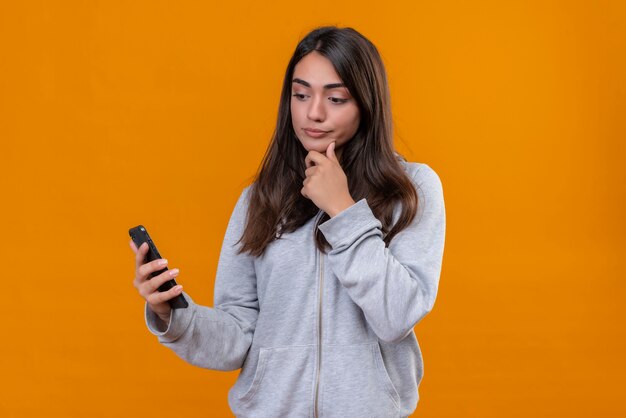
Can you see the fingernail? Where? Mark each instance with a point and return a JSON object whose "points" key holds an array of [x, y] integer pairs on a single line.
{"points": [[174, 272], [163, 262], [179, 289]]}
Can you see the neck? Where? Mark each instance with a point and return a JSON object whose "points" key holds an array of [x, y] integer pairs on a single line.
{"points": [[338, 153]]}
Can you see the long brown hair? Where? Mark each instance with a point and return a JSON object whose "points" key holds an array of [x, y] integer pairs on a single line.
{"points": [[368, 159]]}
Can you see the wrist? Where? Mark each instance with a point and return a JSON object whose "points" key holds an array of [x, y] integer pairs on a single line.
{"points": [[341, 207]]}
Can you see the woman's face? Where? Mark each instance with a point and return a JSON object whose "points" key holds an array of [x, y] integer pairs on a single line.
{"points": [[319, 101]]}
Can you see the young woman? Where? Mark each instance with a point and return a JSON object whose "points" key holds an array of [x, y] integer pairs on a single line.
{"points": [[330, 258]]}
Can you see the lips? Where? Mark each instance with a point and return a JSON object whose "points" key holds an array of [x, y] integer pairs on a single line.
{"points": [[315, 133]]}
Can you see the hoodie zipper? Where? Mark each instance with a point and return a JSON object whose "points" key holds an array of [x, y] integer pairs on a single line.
{"points": [[319, 331]]}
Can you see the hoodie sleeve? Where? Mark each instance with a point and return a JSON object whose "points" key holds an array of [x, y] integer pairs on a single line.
{"points": [[217, 338], [395, 286]]}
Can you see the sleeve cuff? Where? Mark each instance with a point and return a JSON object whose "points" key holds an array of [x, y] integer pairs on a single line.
{"points": [[179, 321], [349, 224]]}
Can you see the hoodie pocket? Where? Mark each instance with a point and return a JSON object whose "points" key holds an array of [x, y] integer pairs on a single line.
{"points": [[281, 384], [356, 383], [258, 376]]}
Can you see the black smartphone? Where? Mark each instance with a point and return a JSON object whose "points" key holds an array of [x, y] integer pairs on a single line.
{"points": [[139, 236]]}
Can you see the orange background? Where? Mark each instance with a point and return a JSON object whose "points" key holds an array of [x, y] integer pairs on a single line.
{"points": [[119, 113]]}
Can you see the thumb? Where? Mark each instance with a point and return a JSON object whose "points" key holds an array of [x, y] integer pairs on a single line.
{"points": [[330, 152]]}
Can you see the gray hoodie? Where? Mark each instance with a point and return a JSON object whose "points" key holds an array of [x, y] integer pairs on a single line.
{"points": [[320, 335]]}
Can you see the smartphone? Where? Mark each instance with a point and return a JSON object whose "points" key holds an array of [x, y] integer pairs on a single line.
{"points": [[139, 236]]}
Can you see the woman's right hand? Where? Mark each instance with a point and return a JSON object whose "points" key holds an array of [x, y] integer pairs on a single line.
{"points": [[148, 289]]}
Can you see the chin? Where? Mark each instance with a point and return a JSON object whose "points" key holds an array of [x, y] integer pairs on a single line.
{"points": [[312, 145]]}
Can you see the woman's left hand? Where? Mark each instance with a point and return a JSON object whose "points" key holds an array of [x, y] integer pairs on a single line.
{"points": [[326, 184]]}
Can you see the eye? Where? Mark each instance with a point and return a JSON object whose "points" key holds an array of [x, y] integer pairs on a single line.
{"points": [[337, 100], [298, 96]]}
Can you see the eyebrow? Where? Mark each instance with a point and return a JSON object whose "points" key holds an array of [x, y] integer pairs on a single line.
{"points": [[326, 87]]}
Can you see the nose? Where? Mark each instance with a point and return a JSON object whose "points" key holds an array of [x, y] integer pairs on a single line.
{"points": [[316, 110]]}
